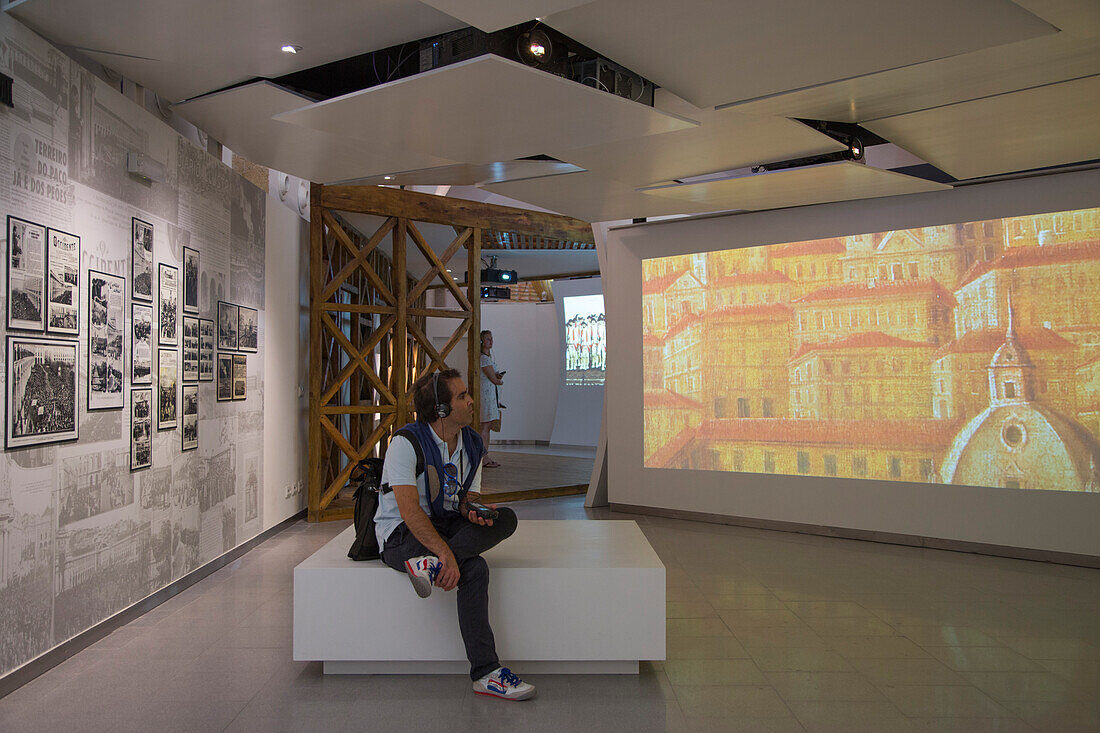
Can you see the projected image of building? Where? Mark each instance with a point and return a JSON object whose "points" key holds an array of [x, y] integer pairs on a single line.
{"points": [[875, 356]]}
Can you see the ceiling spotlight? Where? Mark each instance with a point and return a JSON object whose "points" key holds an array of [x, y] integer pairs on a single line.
{"points": [[855, 148], [291, 48], [387, 178], [534, 48]]}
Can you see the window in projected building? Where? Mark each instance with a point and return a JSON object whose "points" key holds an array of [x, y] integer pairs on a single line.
{"points": [[958, 354], [585, 336]]}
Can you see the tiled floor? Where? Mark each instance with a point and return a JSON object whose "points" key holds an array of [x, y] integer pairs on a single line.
{"points": [[767, 631]]}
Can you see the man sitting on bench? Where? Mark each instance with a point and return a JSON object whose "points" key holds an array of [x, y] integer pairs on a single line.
{"points": [[426, 527]]}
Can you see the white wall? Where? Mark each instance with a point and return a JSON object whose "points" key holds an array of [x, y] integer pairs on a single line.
{"points": [[1054, 521], [286, 370], [525, 344], [580, 409]]}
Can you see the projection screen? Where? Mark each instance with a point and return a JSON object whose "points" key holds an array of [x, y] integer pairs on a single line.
{"points": [[958, 354]]}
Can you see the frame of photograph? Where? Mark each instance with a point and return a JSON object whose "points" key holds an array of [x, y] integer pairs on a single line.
{"points": [[248, 318], [240, 378], [190, 350], [146, 314], [138, 266], [224, 369], [168, 312], [68, 268], [227, 326], [20, 368], [190, 286], [119, 285], [141, 439], [189, 432], [27, 229], [167, 413], [207, 337]]}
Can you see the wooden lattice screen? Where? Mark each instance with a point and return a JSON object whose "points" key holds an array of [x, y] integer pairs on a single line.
{"points": [[368, 318]]}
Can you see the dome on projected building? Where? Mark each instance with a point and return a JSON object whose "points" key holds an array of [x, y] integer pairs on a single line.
{"points": [[1018, 442]]}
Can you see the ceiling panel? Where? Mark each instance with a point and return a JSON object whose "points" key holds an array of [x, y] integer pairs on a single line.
{"points": [[712, 53], [983, 73], [723, 141], [492, 15], [241, 118], [463, 174], [1033, 128], [187, 48], [484, 110], [842, 181], [590, 198]]}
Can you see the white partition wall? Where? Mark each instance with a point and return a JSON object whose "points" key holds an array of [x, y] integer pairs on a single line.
{"points": [[1044, 520], [577, 420]]}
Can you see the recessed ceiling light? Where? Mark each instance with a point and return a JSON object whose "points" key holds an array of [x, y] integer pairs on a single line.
{"points": [[291, 48], [387, 178]]}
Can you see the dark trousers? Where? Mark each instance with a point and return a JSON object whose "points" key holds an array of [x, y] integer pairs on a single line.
{"points": [[467, 541]]}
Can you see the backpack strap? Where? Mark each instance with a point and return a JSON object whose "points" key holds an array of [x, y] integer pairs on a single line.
{"points": [[408, 435]]}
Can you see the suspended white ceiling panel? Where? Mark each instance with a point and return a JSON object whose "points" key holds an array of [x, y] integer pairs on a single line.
{"points": [[463, 174], [841, 181], [590, 198], [182, 49], [492, 15], [241, 119], [712, 53], [723, 141], [1034, 128], [484, 110], [998, 70]]}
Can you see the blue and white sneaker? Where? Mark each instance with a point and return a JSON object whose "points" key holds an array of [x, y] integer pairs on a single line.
{"points": [[504, 683], [422, 572]]}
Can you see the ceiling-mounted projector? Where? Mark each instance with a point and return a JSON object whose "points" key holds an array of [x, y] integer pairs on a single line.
{"points": [[493, 275]]}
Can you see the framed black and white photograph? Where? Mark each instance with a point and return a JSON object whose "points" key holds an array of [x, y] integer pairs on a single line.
{"points": [[227, 326], [141, 428], [225, 377], [240, 376], [168, 291], [26, 275], [190, 349], [248, 329], [62, 283], [167, 382], [41, 404], [190, 280], [106, 325], [141, 344], [190, 429], [206, 350], [142, 269]]}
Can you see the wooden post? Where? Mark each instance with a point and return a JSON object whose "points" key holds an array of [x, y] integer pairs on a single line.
{"points": [[473, 340], [316, 280], [400, 330]]}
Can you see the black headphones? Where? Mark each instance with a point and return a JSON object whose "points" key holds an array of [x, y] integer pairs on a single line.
{"points": [[442, 409]]}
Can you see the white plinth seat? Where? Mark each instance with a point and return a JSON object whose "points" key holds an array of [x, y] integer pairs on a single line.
{"points": [[565, 597]]}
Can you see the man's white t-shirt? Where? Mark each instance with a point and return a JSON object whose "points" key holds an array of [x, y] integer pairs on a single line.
{"points": [[399, 469]]}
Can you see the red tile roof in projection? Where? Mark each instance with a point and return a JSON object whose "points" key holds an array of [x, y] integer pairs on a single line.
{"points": [[990, 339], [907, 433], [891, 289], [1051, 254], [668, 451], [868, 340], [661, 283], [832, 246], [649, 339], [751, 278], [668, 398], [688, 319]]}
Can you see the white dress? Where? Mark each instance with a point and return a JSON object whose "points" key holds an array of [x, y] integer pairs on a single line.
{"points": [[490, 410]]}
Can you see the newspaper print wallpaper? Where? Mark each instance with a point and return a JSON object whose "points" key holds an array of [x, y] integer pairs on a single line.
{"points": [[81, 535]]}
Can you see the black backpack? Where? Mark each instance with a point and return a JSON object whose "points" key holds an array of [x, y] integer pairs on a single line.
{"points": [[369, 475]]}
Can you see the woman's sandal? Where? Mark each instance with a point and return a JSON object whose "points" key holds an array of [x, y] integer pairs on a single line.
{"points": [[490, 463]]}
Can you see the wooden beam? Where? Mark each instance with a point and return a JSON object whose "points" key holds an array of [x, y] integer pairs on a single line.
{"points": [[424, 207], [353, 364], [356, 409], [330, 307], [400, 330], [440, 266], [360, 258], [316, 274]]}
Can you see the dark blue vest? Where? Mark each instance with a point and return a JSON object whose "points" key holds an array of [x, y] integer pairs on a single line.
{"points": [[423, 439]]}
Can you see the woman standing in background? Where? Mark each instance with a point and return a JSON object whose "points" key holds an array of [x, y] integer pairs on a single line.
{"points": [[490, 407]]}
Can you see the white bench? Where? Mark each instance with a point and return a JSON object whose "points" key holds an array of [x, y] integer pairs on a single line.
{"points": [[565, 597]]}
